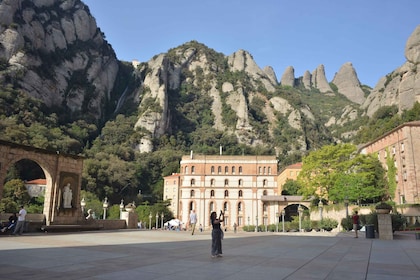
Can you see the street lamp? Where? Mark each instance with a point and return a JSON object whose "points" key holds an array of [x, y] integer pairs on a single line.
{"points": [[248, 222], [83, 205], [150, 221], [346, 203], [277, 221], [256, 228], [157, 220], [161, 220], [300, 210], [320, 206], [282, 218], [105, 206]]}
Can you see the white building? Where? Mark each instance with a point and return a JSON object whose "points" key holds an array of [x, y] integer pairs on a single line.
{"points": [[236, 185]]}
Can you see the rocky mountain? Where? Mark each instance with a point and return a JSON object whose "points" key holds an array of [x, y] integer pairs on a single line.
{"points": [[53, 51], [402, 86]]}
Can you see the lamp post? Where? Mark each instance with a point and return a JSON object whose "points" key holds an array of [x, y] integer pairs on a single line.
{"points": [[300, 210], [248, 222], [277, 221], [157, 220], [320, 206], [161, 216], [346, 203], [121, 207], [83, 205], [105, 206], [150, 221], [282, 218], [256, 228]]}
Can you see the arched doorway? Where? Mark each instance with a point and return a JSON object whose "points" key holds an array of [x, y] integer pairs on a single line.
{"points": [[59, 170]]}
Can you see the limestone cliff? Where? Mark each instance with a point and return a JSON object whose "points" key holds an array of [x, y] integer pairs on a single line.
{"points": [[402, 86], [53, 51]]}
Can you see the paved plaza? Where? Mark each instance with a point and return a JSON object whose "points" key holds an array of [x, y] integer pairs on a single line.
{"points": [[136, 254]]}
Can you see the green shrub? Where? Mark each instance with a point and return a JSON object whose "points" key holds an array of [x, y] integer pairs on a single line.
{"points": [[328, 224], [347, 223]]}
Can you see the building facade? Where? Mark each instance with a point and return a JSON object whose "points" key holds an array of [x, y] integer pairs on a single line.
{"points": [[235, 185], [400, 148], [290, 172]]}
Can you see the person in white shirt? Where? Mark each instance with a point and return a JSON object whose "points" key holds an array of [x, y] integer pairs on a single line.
{"points": [[21, 221], [193, 221]]}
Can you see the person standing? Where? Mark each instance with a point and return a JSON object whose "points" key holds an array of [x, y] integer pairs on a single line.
{"points": [[193, 221], [216, 234], [234, 227], [356, 223], [20, 221]]}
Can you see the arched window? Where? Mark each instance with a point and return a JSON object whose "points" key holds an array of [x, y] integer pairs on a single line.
{"points": [[186, 169], [269, 170], [226, 170], [219, 169], [240, 169], [212, 193], [212, 182], [192, 169], [211, 206], [264, 182], [233, 169], [225, 206], [226, 193], [192, 193], [192, 183], [226, 182], [240, 194], [264, 192], [212, 170], [240, 182], [240, 206], [191, 205]]}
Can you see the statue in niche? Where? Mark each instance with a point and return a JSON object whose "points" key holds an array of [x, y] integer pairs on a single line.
{"points": [[67, 196]]}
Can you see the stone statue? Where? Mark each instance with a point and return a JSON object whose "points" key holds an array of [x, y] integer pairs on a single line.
{"points": [[67, 196]]}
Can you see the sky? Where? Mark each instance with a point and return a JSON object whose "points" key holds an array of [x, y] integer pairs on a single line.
{"points": [[371, 34]]}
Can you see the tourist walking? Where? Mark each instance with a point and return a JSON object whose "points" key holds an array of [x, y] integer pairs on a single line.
{"points": [[356, 223], [21, 221], [216, 234], [193, 221]]}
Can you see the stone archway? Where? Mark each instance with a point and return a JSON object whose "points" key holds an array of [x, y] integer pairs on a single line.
{"points": [[59, 169]]}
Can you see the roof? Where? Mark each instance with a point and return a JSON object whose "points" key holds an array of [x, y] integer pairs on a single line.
{"points": [[36, 182]]}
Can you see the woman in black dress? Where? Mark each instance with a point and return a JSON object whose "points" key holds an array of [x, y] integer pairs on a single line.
{"points": [[216, 235]]}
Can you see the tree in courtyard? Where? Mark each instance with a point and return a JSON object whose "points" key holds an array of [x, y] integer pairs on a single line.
{"points": [[336, 172]]}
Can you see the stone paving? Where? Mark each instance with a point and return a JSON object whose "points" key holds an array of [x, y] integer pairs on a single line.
{"points": [[137, 254]]}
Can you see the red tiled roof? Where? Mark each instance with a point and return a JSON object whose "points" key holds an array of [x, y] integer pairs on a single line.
{"points": [[37, 182]]}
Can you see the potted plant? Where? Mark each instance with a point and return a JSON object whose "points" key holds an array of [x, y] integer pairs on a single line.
{"points": [[383, 208]]}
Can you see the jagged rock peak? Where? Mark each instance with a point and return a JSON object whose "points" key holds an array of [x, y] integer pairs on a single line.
{"points": [[288, 78], [306, 80], [319, 80], [243, 61], [348, 84], [269, 71], [412, 47]]}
